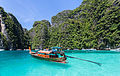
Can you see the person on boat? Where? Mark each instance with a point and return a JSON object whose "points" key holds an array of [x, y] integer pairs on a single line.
{"points": [[47, 49]]}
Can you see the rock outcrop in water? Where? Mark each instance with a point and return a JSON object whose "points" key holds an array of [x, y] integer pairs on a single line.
{"points": [[94, 24], [11, 32]]}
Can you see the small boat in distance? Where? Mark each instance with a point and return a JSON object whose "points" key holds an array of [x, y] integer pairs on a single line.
{"points": [[89, 49], [55, 55], [117, 49], [1, 49]]}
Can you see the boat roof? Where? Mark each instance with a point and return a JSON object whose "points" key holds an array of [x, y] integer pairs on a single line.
{"points": [[47, 52], [56, 47]]}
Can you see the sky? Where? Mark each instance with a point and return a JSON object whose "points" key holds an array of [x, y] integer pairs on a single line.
{"points": [[28, 11]]}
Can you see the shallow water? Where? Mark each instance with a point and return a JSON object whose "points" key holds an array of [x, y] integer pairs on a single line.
{"points": [[21, 63]]}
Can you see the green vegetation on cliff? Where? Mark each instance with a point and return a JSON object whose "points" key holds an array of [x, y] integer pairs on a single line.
{"points": [[94, 24], [4, 42], [39, 34], [14, 31]]}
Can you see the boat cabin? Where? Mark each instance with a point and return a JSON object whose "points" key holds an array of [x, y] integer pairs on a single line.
{"points": [[55, 52]]}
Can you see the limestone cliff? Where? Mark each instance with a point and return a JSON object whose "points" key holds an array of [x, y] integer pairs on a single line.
{"points": [[2, 26], [61, 17], [12, 34], [39, 34], [94, 24]]}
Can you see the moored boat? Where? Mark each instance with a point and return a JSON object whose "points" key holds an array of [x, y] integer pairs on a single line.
{"points": [[117, 49], [92, 49], [1, 49], [55, 54]]}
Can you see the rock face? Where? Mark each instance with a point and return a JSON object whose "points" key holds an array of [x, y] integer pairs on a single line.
{"points": [[39, 34], [3, 27], [11, 31], [94, 24], [3, 31], [61, 17]]}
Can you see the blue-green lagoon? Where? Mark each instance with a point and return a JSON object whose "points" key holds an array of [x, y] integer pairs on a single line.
{"points": [[21, 63]]}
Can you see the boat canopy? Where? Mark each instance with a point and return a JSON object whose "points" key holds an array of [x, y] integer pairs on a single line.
{"points": [[46, 52], [56, 47]]}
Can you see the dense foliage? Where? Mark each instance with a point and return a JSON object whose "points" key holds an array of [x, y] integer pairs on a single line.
{"points": [[94, 24], [15, 33], [39, 34], [3, 42]]}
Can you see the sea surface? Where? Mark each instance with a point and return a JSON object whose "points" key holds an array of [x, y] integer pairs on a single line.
{"points": [[21, 63]]}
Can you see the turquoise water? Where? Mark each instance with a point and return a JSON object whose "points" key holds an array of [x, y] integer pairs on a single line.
{"points": [[20, 63]]}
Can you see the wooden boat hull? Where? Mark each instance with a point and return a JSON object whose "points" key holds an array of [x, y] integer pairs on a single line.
{"points": [[60, 60]]}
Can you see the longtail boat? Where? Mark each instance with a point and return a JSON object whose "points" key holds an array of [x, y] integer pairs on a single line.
{"points": [[55, 55]]}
